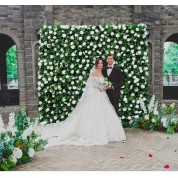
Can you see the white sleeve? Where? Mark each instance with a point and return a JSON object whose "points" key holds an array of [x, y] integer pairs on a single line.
{"points": [[96, 84]]}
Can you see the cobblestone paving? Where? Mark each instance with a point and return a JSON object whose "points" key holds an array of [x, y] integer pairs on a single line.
{"points": [[139, 144]]}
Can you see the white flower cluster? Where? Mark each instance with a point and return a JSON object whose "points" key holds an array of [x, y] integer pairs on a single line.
{"points": [[152, 107], [27, 132], [151, 104], [31, 152], [11, 124], [17, 153], [2, 130]]}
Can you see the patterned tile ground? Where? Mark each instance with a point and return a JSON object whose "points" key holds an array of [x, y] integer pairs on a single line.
{"points": [[139, 144]]}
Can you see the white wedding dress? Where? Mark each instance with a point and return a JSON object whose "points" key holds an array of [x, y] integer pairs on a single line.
{"points": [[92, 122]]}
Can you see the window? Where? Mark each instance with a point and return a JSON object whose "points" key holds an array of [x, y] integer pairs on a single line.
{"points": [[170, 68], [11, 68], [9, 92]]}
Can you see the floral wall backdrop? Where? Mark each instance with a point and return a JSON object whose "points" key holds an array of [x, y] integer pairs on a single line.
{"points": [[66, 55]]}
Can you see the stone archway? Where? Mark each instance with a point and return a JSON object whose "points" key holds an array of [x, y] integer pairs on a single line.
{"points": [[169, 36], [21, 71]]}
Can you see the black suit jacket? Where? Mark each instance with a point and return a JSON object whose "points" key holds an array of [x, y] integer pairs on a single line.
{"points": [[117, 80]]}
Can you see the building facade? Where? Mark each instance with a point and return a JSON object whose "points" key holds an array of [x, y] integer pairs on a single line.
{"points": [[19, 25]]}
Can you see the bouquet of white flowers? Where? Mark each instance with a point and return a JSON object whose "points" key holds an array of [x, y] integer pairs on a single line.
{"points": [[106, 82]]}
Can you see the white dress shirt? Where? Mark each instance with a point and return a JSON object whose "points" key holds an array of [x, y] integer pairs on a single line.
{"points": [[110, 70]]}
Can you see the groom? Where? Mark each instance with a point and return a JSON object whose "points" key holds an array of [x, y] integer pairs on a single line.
{"points": [[114, 75]]}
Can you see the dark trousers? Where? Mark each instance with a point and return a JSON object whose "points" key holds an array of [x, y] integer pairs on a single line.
{"points": [[114, 99]]}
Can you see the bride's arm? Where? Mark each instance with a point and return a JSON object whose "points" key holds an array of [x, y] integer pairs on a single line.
{"points": [[96, 84]]}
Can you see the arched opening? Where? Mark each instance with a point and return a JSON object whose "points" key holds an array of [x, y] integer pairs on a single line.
{"points": [[170, 68], [9, 91]]}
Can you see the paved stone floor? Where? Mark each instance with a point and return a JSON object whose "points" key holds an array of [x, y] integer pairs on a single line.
{"points": [[139, 144]]}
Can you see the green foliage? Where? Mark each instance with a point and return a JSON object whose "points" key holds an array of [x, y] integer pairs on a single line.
{"points": [[11, 63], [170, 58]]}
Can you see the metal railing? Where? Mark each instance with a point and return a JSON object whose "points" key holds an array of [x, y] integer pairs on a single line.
{"points": [[170, 80]]}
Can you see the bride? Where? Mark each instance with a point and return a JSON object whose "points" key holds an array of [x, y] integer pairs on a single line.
{"points": [[92, 122]]}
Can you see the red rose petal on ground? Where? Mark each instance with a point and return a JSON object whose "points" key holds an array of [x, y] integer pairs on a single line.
{"points": [[150, 155], [166, 166], [122, 157]]}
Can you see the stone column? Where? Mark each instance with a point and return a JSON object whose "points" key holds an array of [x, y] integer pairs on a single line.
{"points": [[35, 16], [150, 15]]}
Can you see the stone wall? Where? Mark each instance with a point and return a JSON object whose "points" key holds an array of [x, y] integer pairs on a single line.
{"points": [[21, 22], [11, 24], [169, 26], [34, 18], [92, 14]]}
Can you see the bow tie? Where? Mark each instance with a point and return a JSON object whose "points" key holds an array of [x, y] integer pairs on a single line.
{"points": [[109, 67]]}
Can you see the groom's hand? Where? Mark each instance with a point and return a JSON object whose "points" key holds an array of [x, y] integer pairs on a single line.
{"points": [[107, 87]]}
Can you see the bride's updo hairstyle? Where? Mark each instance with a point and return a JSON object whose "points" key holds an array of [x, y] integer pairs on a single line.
{"points": [[97, 62]]}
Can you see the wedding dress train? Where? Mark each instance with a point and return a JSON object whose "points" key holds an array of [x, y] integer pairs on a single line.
{"points": [[92, 122]]}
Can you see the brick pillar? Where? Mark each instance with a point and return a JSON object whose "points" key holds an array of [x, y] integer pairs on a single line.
{"points": [[151, 16], [35, 16]]}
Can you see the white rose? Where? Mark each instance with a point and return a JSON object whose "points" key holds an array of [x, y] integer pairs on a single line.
{"points": [[17, 153], [84, 43], [156, 112], [13, 159], [147, 117], [88, 37], [71, 37], [63, 35], [112, 33], [73, 102], [100, 45], [142, 86], [123, 48], [96, 38], [31, 152], [117, 47], [153, 120], [80, 77], [129, 117], [125, 99]]}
